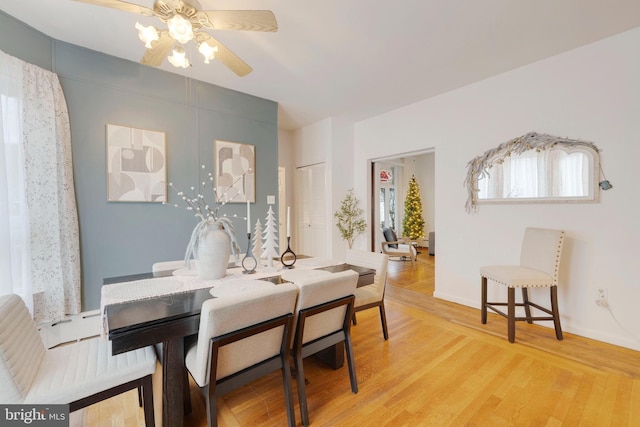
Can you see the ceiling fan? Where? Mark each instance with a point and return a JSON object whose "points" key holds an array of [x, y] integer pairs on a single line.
{"points": [[186, 21]]}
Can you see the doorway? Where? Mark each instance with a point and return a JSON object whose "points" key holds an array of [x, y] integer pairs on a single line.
{"points": [[389, 185]]}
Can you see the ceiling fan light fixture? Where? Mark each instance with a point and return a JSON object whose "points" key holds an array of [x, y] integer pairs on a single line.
{"points": [[180, 29], [183, 21], [179, 58], [208, 51], [147, 34]]}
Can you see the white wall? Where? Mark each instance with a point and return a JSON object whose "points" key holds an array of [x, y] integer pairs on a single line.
{"points": [[286, 160], [312, 143], [340, 172], [590, 93], [329, 141]]}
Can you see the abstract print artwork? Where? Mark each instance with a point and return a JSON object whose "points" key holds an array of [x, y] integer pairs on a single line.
{"points": [[136, 165], [235, 172]]}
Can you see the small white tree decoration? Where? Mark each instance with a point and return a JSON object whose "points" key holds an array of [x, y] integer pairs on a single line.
{"points": [[270, 244], [257, 240], [349, 218]]}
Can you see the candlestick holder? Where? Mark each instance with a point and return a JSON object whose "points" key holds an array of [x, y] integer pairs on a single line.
{"points": [[289, 262], [249, 262]]}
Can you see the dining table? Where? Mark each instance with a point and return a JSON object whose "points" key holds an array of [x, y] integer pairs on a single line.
{"points": [[163, 309]]}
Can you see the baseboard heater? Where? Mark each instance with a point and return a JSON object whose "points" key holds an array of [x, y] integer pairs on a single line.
{"points": [[72, 328]]}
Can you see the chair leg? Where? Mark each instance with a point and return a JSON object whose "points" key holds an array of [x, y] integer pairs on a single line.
{"points": [[140, 397], [483, 308], [353, 319], [383, 319], [302, 391], [288, 392], [351, 363], [511, 314], [527, 309], [210, 405], [147, 395], [556, 312]]}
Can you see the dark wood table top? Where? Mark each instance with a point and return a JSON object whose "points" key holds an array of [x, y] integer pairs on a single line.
{"points": [[168, 319], [145, 321], [366, 274]]}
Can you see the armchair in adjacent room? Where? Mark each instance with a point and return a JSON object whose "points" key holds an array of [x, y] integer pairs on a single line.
{"points": [[394, 247]]}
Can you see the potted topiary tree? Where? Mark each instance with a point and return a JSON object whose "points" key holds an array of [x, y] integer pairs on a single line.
{"points": [[349, 218]]}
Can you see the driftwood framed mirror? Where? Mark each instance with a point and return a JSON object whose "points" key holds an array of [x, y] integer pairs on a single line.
{"points": [[534, 168]]}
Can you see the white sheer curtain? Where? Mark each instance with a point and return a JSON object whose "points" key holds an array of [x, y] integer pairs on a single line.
{"points": [[549, 173], [571, 173], [522, 176], [39, 244]]}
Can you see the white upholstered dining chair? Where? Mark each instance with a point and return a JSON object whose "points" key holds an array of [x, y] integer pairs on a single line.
{"points": [[323, 319], [159, 266], [539, 265], [371, 296], [242, 338], [79, 374], [171, 265]]}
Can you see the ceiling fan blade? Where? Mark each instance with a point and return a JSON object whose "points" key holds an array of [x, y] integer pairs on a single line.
{"points": [[245, 20], [121, 5], [159, 50], [224, 55]]}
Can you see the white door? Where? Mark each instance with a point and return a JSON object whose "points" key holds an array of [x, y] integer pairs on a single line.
{"points": [[311, 206]]}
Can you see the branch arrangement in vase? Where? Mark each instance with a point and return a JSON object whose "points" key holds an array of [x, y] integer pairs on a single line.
{"points": [[208, 213]]}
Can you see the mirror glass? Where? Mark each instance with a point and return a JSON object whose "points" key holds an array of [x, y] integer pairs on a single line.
{"points": [[563, 173], [534, 167]]}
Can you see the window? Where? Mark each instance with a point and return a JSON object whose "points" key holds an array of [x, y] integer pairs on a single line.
{"points": [[387, 207], [39, 244], [15, 246]]}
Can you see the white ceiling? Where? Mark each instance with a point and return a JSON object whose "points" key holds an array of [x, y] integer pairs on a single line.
{"points": [[355, 58]]}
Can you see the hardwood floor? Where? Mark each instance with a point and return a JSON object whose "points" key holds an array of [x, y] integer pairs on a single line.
{"points": [[440, 367]]}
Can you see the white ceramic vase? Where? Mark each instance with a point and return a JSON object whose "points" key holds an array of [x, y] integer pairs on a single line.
{"points": [[214, 249]]}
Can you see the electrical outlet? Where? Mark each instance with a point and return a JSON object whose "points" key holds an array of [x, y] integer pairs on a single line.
{"points": [[602, 299]]}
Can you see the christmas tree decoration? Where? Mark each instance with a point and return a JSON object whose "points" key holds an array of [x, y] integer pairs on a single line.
{"points": [[350, 221], [413, 223], [270, 239], [257, 239]]}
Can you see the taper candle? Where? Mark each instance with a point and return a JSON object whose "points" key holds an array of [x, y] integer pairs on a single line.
{"points": [[248, 218], [288, 221]]}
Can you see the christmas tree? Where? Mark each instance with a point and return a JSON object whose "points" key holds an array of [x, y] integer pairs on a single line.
{"points": [[413, 223]]}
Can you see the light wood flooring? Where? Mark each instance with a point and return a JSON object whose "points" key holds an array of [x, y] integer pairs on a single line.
{"points": [[440, 367]]}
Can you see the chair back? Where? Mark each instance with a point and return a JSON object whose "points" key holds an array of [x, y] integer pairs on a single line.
{"points": [[224, 315], [542, 250], [318, 290], [390, 236], [21, 349], [376, 261], [171, 265]]}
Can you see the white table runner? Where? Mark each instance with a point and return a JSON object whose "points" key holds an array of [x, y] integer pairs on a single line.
{"points": [[187, 280]]}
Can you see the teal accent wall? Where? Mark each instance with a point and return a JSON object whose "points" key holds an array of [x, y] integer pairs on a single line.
{"points": [[126, 238]]}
